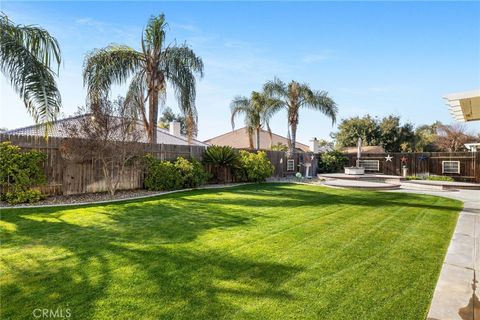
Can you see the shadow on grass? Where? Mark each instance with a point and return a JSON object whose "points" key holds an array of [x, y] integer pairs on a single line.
{"points": [[129, 264], [290, 195], [132, 259]]}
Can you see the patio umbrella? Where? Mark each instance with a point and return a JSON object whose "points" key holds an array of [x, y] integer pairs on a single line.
{"points": [[359, 147]]}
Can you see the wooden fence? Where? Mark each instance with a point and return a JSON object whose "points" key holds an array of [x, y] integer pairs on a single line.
{"points": [[427, 163], [66, 177], [70, 177]]}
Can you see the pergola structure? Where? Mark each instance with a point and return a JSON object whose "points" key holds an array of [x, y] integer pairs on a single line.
{"points": [[464, 106]]}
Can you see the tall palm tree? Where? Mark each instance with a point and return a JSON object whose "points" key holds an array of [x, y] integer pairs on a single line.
{"points": [[27, 55], [257, 111], [151, 67], [297, 95]]}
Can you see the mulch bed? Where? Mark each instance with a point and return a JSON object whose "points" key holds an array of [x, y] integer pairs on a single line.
{"points": [[85, 198]]}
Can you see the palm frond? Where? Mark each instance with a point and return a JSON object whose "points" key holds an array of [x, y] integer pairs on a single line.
{"points": [[276, 88], [320, 101], [153, 37], [239, 105], [104, 67], [26, 54], [180, 65], [137, 96]]}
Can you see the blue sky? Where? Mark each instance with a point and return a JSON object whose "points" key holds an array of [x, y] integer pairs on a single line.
{"points": [[372, 57]]}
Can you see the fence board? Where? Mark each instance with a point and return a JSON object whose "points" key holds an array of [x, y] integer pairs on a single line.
{"points": [[430, 165]]}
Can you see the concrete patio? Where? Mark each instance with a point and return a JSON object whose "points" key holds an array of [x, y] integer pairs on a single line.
{"points": [[456, 294]]}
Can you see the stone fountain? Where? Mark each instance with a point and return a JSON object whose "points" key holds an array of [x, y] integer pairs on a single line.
{"points": [[357, 170]]}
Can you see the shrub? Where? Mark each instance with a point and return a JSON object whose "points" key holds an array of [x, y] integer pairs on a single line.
{"points": [[24, 196], [221, 156], [431, 178], [412, 178], [440, 178], [167, 175], [20, 168], [222, 160], [253, 167], [161, 175], [192, 173], [332, 161], [19, 171]]}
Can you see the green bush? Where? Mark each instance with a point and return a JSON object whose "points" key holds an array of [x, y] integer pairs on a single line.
{"points": [[253, 167], [412, 178], [222, 161], [221, 156], [332, 161], [161, 175], [167, 175], [19, 171], [440, 178], [192, 173], [431, 178], [24, 196]]}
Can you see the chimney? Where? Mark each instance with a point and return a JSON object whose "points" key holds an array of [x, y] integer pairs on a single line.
{"points": [[315, 145], [175, 128]]}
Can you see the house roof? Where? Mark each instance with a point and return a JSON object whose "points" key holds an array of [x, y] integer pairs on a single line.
{"points": [[239, 139], [58, 130], [365, 149]]}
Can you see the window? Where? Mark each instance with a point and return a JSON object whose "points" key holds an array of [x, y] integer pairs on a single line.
{"points": [[291, 165], [450, 166], [370, 165]]}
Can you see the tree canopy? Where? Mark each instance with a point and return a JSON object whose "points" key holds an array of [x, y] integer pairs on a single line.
{"points": [[394, 136], [148, 70]]}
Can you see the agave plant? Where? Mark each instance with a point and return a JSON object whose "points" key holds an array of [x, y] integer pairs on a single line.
{"points": [[224, 156]]}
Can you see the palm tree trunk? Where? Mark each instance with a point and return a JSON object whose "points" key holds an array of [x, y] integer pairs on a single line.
{"points": [[294, 136], [258, 138], [153, 116]]}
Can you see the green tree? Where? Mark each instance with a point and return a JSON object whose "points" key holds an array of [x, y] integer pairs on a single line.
{"points": [[425, 137], [257, 111], [279, 147], [168, 116], [350, 129], [295, 96], [393, 134], [151, 69], [27, 57]]}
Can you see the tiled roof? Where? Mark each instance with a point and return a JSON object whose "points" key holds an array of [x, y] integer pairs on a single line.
{"points": [[239, 139], [57, 130]]}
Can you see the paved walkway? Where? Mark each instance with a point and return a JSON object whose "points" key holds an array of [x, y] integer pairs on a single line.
{"points": [[456, 293]]}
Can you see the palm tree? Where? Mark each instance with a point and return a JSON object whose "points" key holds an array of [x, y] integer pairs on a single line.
{"points": [[297, 95], [257, 110], [27, 55], [151, 68]]}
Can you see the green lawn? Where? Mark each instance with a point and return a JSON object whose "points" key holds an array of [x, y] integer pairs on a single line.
{"points": [[267, 251]]}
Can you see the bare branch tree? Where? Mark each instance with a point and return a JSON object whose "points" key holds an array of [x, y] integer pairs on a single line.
{"points": [[453, 137], [106, 133]]}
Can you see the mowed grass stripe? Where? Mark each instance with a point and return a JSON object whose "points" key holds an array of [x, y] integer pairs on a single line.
{"points": [[268, 251]]}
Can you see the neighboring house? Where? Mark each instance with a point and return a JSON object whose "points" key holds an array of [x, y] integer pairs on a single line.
{"points": [[171, 136], [365, 149], [239, 139]]}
